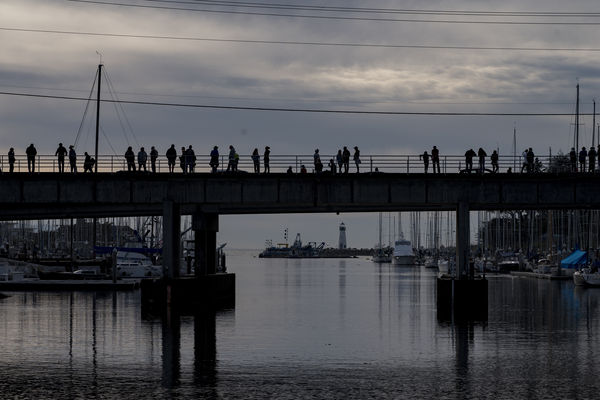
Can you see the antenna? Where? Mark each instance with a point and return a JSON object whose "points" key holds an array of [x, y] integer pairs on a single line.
{"points": [[100, 54]]}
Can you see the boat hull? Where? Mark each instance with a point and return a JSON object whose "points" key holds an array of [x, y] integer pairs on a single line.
{"points": [[404, 260]]}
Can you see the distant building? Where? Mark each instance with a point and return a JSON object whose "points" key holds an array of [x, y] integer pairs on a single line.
{"points": [[342, 241]]}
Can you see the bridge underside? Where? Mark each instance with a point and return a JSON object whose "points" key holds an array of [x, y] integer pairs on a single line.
{"points": [[24, 196]]}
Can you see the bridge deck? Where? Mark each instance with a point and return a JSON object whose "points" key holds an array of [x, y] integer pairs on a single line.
{"points": [[52, 195]]}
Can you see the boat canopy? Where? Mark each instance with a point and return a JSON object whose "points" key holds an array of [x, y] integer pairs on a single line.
{"points": [[575, 260]]}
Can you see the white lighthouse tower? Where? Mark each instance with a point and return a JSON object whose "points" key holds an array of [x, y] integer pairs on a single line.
{"points": [[342, 242]]}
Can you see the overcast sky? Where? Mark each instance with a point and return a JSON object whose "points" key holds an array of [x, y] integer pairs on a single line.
{"points": [[299, 76]]}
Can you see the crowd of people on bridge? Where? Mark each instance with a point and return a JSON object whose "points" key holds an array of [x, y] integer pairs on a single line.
{"points": [[582, 161]]}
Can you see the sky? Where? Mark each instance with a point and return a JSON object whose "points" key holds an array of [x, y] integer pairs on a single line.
{"points": [[470, 65]]}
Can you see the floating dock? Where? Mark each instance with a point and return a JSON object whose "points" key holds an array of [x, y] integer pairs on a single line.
{"points": [[542, 276], [66, 285]]}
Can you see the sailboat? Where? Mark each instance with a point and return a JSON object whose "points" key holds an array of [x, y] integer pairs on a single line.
{"points": [[403, 252], [380, 255]]}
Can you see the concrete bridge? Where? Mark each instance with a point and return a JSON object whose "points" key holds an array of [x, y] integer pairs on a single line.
{"points": [[206, 196]]}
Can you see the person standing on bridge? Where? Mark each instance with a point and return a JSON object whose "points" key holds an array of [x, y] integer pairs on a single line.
{"points": [[435, 159], [130, 158], [88, 163], [469, 160], [573, 159], [182, 160], [214, 159], [31, 153], [231, 159], [346, 159], [582, 156], [340, 160], [494, 158], [190, 159], [73, 159], [592, 158], [256, 160], [171, 158], [142, 158], [317, 161], [11, 160], [356, 158], [482, 155], [153, 157], [425, 158], [61, 152], [332, 167], [530, 160], [267, 159]]}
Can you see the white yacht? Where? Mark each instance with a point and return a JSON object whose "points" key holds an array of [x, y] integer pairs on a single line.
{"points": [[403, 252]]}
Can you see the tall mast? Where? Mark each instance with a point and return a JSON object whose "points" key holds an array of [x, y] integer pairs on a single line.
{"points": [[577, 121], [98, 115], [515, 147]]}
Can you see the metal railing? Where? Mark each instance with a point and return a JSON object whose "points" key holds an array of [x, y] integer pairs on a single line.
{"points": [[281, 163]]}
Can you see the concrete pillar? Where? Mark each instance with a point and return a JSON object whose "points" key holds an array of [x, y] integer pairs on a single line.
{"points": [[206, 226], [171, 239], [462, 240]]}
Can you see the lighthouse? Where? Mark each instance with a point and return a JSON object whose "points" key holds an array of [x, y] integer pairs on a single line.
{"points": [[342, 241]]}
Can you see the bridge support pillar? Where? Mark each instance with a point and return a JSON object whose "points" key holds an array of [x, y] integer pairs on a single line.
{"points": [[206, 226], [171, 239], [462, 296], [462, 240]]}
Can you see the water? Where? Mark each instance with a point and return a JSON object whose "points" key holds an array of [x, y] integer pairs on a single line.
{"points": [[306, 329]]}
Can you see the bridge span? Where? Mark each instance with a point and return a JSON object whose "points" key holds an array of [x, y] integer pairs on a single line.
{"points": [[51, 195]]}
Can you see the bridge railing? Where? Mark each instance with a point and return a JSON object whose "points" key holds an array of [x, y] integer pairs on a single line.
{"points": [[281, 163]]}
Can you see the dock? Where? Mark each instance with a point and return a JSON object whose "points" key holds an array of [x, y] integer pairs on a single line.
{"points": [[542, 276], [66, 285]]}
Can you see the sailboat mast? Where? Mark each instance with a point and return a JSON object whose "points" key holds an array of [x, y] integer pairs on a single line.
{"points": [[98, 116], [515, 147], [577, 121]]}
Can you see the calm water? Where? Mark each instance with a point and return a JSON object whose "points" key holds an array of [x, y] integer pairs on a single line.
{"points": [[306, 329]]}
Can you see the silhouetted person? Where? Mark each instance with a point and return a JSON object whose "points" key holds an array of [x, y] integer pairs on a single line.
{"points": [[31, 153], [530, 160], [142, 158], [332, 167], [592, 158], [303, 169], [73, 159], [88, 163], [317, 161], [171, 158], [573, 159], [130, 158], [356, 158], [214, 159], [183, 160], [482, 155], [494, 158], [267, 159], [236, 161], [425, 158], [582, 157], [289, 171], [153, 157], [346, 159], [339, 158], [190, 159], [525, 165], [469, 159], [256, 161], [11, 160], [61, 152], [435, 159], [230, 159]]}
